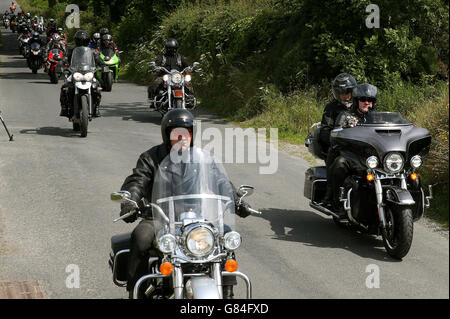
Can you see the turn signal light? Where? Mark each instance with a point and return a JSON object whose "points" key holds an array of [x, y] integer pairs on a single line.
{"points": [[370, 177], [231, 265], [414, 176], [178, 93], [166, 268]]}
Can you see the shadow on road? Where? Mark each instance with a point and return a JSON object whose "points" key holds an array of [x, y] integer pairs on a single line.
{"points": [[24, 76], [314, 230], [52, 131], [135, 111]]}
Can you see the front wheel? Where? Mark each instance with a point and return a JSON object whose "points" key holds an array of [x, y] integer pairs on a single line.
{"points": [[398, 236], [107, 81], [84, 116]]}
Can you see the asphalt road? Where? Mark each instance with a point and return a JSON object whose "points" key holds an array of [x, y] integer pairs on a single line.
{"points": [[55, 209]]}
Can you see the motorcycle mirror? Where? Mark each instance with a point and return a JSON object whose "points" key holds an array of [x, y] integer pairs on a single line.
{"points": [[195, 64], [245, 190], [121, 196]]}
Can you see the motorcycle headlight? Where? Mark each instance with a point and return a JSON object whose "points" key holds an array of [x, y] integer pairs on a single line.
{"points": [[188, 78], [167, 243], [88, 76], [78, 76], [393, 162], [372, 162], [176, 78], [166, 77], [416, 161], [200, 241], [232, 240]]}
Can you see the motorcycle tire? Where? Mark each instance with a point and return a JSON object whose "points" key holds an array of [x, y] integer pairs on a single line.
{"points": [[84, 115], [108, 81], [76, 127], [398, 236], [53, 78]]}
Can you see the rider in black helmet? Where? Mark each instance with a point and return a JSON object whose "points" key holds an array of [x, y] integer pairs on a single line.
{"points": [[342, 88], [171, 60], [140, 185], [82, 39]]}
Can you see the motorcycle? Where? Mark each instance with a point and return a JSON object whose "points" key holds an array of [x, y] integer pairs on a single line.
{"points": [[6, 23], [13, 26], [174, 94], [35, 57], [54, 61], [110, 73], [384, 195], [195, 240], [82, 69], [24, 38]]}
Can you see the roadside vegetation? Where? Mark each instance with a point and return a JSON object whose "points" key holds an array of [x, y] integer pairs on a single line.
{"points": [[270, 63]]}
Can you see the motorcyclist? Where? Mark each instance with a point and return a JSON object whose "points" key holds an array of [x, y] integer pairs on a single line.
{"points": [[67, 90], [341, 88], [107, 42], [365, 98], [61, 33], [51, 27], [55, 42], [95, 41], [171, 60], [140, 185]]}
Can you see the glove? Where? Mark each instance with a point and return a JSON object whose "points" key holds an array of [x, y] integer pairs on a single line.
{"points": [[242, 210], [125, 208]]}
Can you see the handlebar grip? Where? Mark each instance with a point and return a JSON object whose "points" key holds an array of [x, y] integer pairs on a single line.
{"points": [[253, 211], [125, 215]]}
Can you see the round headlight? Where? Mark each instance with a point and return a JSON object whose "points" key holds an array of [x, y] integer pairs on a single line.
{"points": [[393, 162], [78, 76], [416, 161], [372, 162], [232, 240], [200, 241], [166, 77], [188, 78], [176, 78], [89, 76], [167, 243]]}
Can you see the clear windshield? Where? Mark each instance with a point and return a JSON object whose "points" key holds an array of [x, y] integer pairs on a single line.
{"points": [[108, 52], [82, 60], [193, 187], [385, 118]]}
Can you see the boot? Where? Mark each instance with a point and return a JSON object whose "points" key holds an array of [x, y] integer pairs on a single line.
{"points": [[64, 112]]}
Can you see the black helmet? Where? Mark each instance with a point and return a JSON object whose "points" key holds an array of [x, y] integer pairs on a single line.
{"points": [[171, 46], [82, 38], [103, 31], [342, 84], [175, 118], [365, 90]]}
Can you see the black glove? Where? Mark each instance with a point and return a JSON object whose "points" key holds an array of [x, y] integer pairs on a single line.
{"points": [[243, 209], [125, 208]]}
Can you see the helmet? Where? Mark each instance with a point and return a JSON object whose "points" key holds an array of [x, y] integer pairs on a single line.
{"points": [[365, 90], [171, 46], [96, 36], [342, 84], [82, 38], [56, 37], [103, 31], [175, 118], [51, 20], [60, 29], [106, 38], [36, 35]]}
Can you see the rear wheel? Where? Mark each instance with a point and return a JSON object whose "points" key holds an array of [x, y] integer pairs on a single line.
{"points": [[76, 127], [84, 116], [397, 238]]}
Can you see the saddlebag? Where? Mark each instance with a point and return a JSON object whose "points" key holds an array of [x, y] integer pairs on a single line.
{"points": [[314, 146], [118, 259], [315, 183]]}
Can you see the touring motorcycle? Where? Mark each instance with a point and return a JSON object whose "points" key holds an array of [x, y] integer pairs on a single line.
{"points": [[82, 69], [195, 241], [384, 196], [174, 94]]}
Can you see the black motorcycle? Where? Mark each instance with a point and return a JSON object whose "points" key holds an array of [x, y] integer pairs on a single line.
{"points": [[384, 195], [35, 57]]}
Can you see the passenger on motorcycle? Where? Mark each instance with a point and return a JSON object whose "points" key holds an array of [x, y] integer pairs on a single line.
{"points": [[171, 60], [176, 129], [365, 98], [341, 88], [95, 42]]}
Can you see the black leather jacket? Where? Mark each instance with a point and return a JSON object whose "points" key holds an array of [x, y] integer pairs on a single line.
{"points": [[328, 122]]}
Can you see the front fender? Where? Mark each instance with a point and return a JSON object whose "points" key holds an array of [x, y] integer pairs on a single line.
{"points": [[202, 288], [398, 195]]}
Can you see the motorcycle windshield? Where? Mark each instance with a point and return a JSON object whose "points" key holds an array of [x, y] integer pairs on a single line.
{"points": [[82, 60], [193, 187], [108, 52], [385, 119]]}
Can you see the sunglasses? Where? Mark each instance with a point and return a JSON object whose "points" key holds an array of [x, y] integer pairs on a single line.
{"points": [[367, 99]]}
